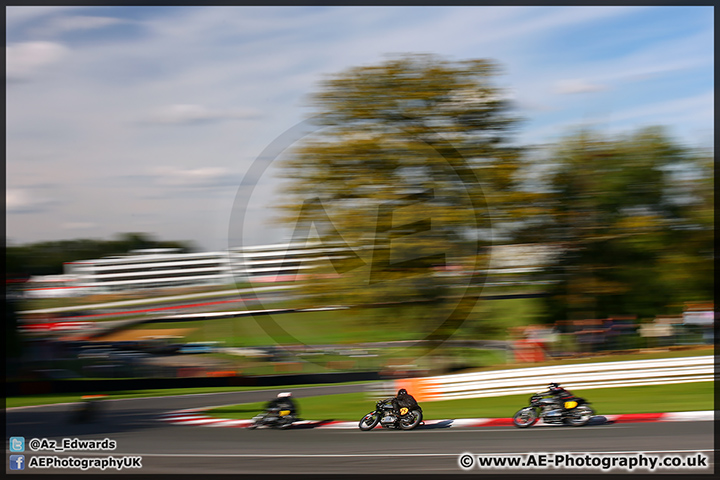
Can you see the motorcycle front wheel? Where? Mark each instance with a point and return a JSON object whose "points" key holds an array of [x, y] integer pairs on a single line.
{"points": [[411, 420], [579, 416], [369, 421], [257, 421], [526, 417]]}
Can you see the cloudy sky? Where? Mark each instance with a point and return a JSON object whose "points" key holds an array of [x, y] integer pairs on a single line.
{"points": [[146, 119]]}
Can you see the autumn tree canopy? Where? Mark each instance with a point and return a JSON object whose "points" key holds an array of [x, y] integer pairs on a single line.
{"points": [[633, 215], [411, 161]]}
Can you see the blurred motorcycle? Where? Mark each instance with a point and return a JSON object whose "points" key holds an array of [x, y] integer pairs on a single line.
{"points": [[88, 410], [576, 412], [385, 415], [273, 418]]}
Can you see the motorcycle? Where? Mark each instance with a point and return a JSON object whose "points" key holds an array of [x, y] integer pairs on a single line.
{"points": [[89, 410], [577, 412], [385, 415], [273, 418]]}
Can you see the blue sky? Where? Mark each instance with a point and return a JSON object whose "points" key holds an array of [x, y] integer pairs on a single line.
{"points": [[146, 119]]}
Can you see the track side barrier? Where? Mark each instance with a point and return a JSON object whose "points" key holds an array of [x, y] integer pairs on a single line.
{"points": [[515, 381]]}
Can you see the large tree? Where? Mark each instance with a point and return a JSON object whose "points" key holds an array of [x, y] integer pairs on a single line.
{"points": [[411, 164], [632, 215]]}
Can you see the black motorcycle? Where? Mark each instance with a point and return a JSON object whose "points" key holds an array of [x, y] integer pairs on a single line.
{"points": [[273, 418], [88, 410], [576, 412], [385, 415]]}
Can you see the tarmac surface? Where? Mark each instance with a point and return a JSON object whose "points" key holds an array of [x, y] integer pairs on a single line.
{"points": [[135, 426]]}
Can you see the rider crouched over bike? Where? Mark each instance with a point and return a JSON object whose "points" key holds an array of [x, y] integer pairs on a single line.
{"points": [[404, 402], [283, 401], [560, 395], [280, 412]]}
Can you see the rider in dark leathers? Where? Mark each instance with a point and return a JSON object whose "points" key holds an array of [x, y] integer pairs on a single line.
{"points": [[559, 394], [404, 399], [283, 401]]}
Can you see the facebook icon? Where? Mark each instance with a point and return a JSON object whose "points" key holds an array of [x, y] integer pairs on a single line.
{"points": [[17, 462]]}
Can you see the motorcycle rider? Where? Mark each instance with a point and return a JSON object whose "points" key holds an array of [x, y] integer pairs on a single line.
{"points": [[560, 395], [283, 401], [404, 400]]}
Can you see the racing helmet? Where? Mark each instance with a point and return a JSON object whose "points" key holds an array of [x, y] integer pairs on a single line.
{"points": [[553, 386], [402, 391]]}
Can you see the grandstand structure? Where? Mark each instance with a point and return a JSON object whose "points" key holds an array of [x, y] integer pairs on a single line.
{"points": [[151, 269], [279, 262], [167, 268], [163, 268]]}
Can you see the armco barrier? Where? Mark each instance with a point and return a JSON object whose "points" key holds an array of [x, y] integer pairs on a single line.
{"points": [[576, 376]]}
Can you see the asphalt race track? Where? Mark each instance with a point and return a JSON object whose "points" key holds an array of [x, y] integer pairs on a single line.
{"points": [[167, 448]]}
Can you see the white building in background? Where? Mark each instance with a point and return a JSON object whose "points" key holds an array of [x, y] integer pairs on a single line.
{"points": [[281, 261], [168, 268], [521, 257], [151, 269], [514, 264]]}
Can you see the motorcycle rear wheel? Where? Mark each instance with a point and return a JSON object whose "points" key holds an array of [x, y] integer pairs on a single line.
{"points": [[369, 421], [525, 417], [411, 420], [285, 422], [579, 416]]}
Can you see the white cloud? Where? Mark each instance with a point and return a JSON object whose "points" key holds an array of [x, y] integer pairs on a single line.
{"points": [[578, 86], [15, 15], [190, 177], [24, 201], [72, 23], [676, 110], [648, 63], [679, 113], [218, 67], [79, 225], [23, 60], [189, 113]]}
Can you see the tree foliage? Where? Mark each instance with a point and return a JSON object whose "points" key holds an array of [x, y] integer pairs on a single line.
{"points": [[633, 217], [409, 159], [413, 159]]}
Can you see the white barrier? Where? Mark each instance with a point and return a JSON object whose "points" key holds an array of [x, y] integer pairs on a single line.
{"points": [[576, 376]]}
